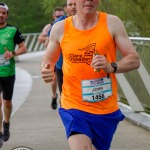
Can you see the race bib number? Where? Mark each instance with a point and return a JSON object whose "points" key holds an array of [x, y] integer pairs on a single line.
{"points": [[96, 90], [3, 62]]}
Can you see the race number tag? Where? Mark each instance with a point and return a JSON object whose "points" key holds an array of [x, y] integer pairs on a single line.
{"points": [[3, 62], [96, 90]]}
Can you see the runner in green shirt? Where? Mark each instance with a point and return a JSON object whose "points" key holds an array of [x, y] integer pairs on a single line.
{"points": [[9, 37]]}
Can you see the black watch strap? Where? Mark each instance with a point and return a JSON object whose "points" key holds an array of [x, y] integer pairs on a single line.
{"points": [[114, 65], [14, 53]]}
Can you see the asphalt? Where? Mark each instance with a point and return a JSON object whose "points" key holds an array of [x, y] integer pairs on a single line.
{"points": [[36, 126]]}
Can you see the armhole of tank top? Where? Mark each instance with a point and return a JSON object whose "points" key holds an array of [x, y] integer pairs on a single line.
{"points": [[65, 28], [106, 15], [65, 24]]}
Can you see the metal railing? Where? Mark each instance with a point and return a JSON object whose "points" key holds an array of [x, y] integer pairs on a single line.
{"points": [[31, 41], [134, 87]]}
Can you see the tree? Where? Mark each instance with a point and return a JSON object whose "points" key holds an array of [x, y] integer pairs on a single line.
{"points": [[27, 15], [31, 16], [135, 14]]}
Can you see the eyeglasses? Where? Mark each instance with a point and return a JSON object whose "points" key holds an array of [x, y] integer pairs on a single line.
{"points": [[58, 16]]}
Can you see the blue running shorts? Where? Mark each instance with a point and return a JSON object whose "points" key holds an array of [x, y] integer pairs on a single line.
{"points": [[99, 128]]}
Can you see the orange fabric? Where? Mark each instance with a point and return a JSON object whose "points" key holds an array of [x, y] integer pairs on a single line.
{"points": [[78, 48]]}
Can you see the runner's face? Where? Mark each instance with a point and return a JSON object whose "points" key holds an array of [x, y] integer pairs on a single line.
{"points": [[87, 6], [58, 14], [71, 7], [3, 16]]}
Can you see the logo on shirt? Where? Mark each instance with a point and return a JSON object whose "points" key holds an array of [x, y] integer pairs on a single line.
{"points": [[85, 57]]}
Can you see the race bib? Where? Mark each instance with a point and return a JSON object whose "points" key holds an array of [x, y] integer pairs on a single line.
{"points": [[96, 90]]}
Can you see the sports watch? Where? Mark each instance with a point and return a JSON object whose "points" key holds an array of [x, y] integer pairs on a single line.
{"points": [[14, 53], [114, 65]]}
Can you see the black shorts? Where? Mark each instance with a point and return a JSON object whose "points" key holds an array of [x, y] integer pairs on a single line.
{"points": [[59, 74], [7, 87]]}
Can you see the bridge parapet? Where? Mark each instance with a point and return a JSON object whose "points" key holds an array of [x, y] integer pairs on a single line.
{"points": [[31, 41], [135, 86]]}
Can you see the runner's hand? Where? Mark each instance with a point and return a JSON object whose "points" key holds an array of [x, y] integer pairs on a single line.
{"points": [[7, 55], [48, 74], [101, 62]]}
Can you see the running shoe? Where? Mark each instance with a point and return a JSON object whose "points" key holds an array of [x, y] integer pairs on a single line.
{"points": [[6, 133], [54, 102]]}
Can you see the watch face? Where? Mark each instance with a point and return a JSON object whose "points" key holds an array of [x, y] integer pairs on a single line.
{"points": [[114, 65]]}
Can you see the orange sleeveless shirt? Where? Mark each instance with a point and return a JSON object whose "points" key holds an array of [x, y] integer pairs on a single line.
{"points": [[78, 47]]}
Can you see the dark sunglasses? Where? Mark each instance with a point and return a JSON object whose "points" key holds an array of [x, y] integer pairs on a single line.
{"points": [[58, 16]]}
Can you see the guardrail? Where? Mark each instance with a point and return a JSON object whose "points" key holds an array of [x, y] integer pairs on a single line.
{"points": [[134, 87], [31, 41]]}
